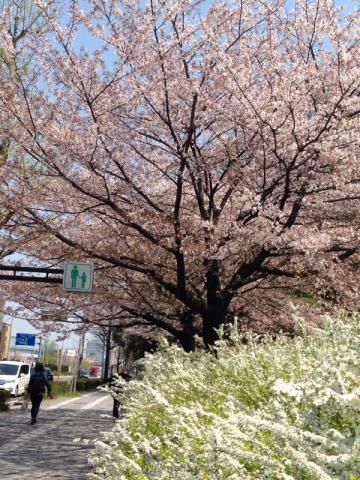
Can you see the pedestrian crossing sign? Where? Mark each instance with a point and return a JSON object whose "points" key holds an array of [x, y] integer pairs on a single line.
{"points": [[78, 277]]}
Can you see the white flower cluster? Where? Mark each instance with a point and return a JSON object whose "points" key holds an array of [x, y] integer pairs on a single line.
{"points": [[277, 410]]}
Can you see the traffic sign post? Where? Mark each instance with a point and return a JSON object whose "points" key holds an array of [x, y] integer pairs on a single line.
{"points": [[25, 339], [78, 277]]}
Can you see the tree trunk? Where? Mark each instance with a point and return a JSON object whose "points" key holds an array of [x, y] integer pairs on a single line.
{"points": [[212, 321], [214, 316], [186, 336], [107, 353], [187, 340]]}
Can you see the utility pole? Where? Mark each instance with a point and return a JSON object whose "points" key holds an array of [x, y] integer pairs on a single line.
{"points": [[79, 359], [39, 352], [60, 357], [80, 352]]}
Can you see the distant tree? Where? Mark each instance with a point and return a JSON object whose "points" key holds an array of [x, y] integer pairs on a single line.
{"points": [[134, 346], [105, 334], [48, 352]]}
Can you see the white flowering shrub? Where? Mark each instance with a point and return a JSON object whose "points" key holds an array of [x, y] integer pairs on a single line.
{"points": [[278, 410]]}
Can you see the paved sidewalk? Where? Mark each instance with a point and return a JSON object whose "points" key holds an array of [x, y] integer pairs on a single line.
{"points": [[46, 450]]}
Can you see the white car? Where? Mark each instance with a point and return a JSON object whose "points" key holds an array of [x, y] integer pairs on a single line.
{"points": [[14, 376]]}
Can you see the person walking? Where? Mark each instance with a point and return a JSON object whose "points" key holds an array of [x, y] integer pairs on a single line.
{"points": [[117, 390], [36, 389]]}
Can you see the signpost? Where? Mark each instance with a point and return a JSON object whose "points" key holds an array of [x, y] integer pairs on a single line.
{"points": [[25, 339], [78, 277], [59, 362]]}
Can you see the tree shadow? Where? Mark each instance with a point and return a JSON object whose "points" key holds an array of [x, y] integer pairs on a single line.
{"points": [[47, 450]]}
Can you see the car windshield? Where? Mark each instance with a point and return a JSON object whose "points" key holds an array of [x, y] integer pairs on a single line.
{"points": [[6, 369]]}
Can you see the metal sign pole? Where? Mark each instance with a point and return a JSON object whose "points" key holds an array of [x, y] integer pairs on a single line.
{"points": [[59, 363], [39, 352]]}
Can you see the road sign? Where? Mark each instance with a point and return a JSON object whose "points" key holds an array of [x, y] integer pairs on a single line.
{"points": [[27, 339], [78, 277]]}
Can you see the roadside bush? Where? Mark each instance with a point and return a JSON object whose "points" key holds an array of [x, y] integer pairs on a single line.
{"points": [[60, 388], [88, 383], [273, 410], [54, 368], [82, 384], [4, 397]]}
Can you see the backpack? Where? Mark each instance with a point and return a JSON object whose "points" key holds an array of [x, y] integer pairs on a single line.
{"points": [[37, 383]]}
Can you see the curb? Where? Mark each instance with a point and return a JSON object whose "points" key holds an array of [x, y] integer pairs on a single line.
{"points": [[18, 404]]}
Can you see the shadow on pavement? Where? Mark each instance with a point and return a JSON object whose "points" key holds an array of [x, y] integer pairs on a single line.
{"points": [[47, 450]]}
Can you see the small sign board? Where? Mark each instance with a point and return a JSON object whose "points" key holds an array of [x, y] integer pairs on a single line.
{"points": [[27, 339], [78, 277]]}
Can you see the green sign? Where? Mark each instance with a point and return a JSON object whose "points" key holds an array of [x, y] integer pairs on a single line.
{"points": [[78, 277]]}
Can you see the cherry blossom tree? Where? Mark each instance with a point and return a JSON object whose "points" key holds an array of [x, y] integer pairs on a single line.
{"points": [[204, 155], [21, 22]]}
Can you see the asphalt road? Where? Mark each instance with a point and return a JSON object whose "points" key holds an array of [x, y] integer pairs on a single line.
{"points": [[46, 450]]}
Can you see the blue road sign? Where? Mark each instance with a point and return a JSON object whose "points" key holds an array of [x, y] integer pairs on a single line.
{"points": [[27, 339]]}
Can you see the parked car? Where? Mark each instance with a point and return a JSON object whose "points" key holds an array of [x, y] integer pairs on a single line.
{"points": [[14, 376], [84, 373], [95, 371]]}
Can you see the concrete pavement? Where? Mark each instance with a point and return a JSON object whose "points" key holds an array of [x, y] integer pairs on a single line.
{"points": [[46, 450]]}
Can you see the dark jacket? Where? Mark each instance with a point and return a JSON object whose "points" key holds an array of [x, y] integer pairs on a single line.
{"points": [[38, 382]]}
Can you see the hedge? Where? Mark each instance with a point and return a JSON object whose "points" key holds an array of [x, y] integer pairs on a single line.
{"points": [[54, 368], [88, 383], [60, 388], [284, 409], [63, 388]]}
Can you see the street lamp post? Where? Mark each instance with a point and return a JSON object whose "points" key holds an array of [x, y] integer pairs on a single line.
{"points": [[39, 352]]}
